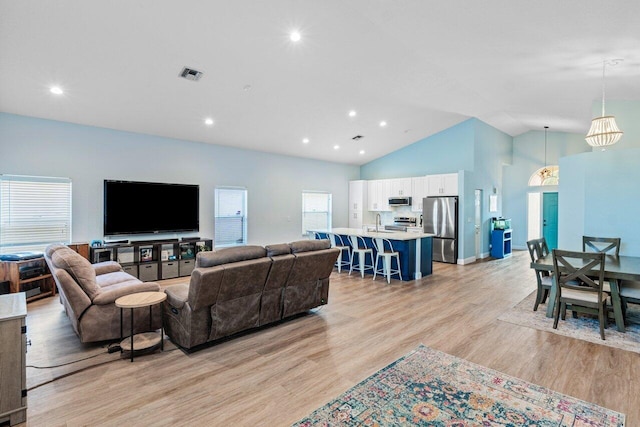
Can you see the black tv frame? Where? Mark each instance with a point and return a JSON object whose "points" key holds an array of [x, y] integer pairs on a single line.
{"points": [[141, 207]]}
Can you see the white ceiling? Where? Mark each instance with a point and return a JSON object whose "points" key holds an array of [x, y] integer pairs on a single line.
{"points": [[420, 65]]}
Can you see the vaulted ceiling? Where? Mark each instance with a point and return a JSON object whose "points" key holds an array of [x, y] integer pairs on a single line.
{"points": [[421, 66]]}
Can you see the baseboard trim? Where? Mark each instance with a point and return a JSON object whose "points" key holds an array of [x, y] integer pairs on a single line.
{"points": [[472, 259]]}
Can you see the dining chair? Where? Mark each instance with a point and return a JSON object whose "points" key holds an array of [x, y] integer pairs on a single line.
{"points": [[359, 247], [601, 244], [586, 296], [384, 250], [337, 242], [604, 245], [629, 293], [544, 279]]}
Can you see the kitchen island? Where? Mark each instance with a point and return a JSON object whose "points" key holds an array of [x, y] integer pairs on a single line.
{"points": [[415, 248]]}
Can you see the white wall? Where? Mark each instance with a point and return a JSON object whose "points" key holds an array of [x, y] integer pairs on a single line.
{"points": [[89, 155]]}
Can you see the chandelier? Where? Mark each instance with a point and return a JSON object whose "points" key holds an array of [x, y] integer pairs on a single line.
{"points": [[604, 130]]}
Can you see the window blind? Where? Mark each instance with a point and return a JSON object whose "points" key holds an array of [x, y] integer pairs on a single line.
{"points": [[316, 211], [230, 217], [34, 212]]}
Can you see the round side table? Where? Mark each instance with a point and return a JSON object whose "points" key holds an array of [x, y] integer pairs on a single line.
{"points": [[144, 340]]}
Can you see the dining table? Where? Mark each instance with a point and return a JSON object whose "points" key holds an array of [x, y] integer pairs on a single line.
{"points": [[616, 268]]}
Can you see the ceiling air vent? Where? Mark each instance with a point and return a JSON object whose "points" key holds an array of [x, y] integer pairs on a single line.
{"points": [[357, 137], [191, 74]]}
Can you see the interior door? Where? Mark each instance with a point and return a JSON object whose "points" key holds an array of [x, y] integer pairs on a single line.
{"points": [[550, 219], [478, 223]]}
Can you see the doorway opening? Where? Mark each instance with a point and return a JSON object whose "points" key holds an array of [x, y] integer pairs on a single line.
{"points": [[542, 217]]}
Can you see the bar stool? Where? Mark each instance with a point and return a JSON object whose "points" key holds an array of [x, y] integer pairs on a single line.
{"points": [[359, 247], [384, 248], [337, 242]]}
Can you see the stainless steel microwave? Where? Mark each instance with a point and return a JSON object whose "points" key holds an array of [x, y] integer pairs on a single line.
{"points": [[399, 201]]}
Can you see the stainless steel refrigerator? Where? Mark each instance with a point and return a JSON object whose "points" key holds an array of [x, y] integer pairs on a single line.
{"points": [[441, 219]]}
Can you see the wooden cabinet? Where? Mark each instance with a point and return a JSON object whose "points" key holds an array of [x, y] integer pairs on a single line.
{"points": [[442, 184], [154, 260], [378, 192], [358, 192], [418, 192], [13, 377], [31, 276], [81, 248], [400, 187]]}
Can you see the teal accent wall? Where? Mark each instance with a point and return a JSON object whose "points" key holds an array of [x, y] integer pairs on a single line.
{"points": [[88, 155], [493, 151], [445, 152], [627, 114], [599, 198], [528, 157], [472, 148]]}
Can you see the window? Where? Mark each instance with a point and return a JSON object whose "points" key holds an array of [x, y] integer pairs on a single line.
{"points": [[231, 217], [548, 175], [34, 212], [316, 211]]}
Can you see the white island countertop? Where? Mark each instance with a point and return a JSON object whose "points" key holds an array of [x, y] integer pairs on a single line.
{"points": [[385, 234]]}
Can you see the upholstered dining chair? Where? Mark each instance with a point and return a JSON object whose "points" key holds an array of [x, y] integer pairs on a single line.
{"points": [[586, 296], [608, 245], [385, 251], [360, 249], [337, 242], [544, 279]]}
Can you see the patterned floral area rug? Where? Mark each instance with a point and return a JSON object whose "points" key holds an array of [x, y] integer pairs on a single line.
{"points": [[583, 328], [431, 388]]}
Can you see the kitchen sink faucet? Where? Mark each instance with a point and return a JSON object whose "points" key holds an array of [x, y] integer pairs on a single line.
{"points": [[378, 221]]}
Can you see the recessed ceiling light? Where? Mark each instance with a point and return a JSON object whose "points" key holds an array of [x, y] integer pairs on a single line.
{"points": [[361, 151], [305, 140], [295, 36], [56, 90], [383, 124], [246, 87], [336, 147], [352, 113], [208, 122]]}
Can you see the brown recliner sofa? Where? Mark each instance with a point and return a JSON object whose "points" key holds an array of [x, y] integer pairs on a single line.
{"points": [[89, 291], [237, 289]]}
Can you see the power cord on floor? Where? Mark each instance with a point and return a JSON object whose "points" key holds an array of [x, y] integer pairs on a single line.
{"points": [[69, 374], [110, 349]]}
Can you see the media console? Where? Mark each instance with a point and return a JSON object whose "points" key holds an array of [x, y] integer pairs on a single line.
{"points": [[151, 260]]}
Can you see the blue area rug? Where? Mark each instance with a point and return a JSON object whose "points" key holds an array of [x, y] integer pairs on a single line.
{"points": [[584, 327], [431, 388]]}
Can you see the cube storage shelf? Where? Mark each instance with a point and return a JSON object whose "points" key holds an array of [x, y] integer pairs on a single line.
{"points": [[155, 259]]}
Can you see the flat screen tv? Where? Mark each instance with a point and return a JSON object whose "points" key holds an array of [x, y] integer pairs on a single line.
{"points": [[149, 207]]}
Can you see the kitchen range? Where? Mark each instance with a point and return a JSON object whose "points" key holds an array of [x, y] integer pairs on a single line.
{"points": [[401, 223]]}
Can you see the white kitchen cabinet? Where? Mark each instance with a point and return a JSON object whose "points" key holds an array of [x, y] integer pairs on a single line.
{"points": [[418, 192], [400, 187], [442, 184], [358, 194], [378, 194]]}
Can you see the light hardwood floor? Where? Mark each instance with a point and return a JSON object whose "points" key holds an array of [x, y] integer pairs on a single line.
{"points": [[275, 376]]}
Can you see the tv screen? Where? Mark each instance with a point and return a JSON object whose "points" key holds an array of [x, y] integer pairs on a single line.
{"points": [[149, 207]]}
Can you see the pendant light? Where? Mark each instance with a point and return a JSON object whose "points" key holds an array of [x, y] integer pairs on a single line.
{"points": [[545, 173], [604, 130]]}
